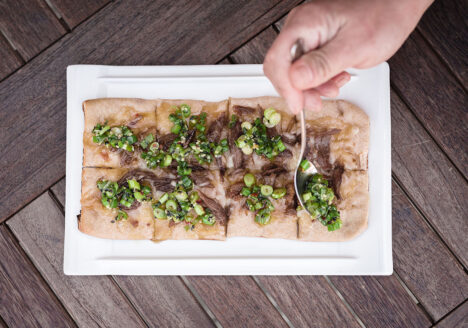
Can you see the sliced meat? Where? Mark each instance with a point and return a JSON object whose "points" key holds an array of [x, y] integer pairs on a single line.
{"points": [[290, 138], [233, 191], [272, 132], [272, 168], [218, 211], [201, 178], [216, 128], [134, 121], [319, 151], [166, 140], [240, 110], [190, 135], [126, 158], [292, 122], [282, 158], [134, 206], [158, 183], [335, 180], [236, 153]]}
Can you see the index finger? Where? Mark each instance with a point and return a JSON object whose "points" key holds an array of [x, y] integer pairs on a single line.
{"points": [[276, 68]]}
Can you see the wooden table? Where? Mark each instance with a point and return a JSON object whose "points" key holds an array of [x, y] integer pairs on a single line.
{"points": [[429, 78]]}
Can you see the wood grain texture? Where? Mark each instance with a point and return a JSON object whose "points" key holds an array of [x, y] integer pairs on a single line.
{"points": [[254, 51], [444, 25], [74, 12], [424, 263], [58, 190], [430, 179], [237, 301], [32, 143], [456, 319], [9, 60], [380, 302], [434, 95], [308, 301], [30, 25], [164, 301], [25, 300], [91, 301]]}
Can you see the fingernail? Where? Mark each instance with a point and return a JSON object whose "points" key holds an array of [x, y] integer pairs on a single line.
{"points": [[301, 76], [342, 80]]}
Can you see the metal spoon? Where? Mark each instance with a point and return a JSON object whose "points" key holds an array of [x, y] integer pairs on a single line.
{"points": [[300, 177]]}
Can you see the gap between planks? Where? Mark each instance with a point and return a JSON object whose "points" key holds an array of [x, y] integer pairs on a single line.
{"points": [[424, 217], [37, 272]]}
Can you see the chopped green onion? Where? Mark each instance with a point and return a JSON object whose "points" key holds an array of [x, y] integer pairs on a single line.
{"points": [[133, 184], [181, 195], [305, 164], [249, 179], [266, 190], [139, 196], [245, 191], [163, 198], [268, 112], [176, 128], [208, 219], [279, 193], [159, 213], [233, 121], [246, 125], [247, 150], [194, 197], [263, 217], [185, 110], [198, 209], [171, 205], [306, 196], [121, 215]]}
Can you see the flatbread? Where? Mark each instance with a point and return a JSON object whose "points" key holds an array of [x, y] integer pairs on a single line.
{"points": [[349, 147], [137, 114], [241, 222], [213, 191], [97, 221], [248, 109], [353, 211]]}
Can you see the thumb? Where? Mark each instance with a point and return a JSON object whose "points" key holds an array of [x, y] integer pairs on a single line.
{"points": [[320, 65]]}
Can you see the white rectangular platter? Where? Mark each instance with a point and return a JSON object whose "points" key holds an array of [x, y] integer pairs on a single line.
{"points": [[368, 254]]}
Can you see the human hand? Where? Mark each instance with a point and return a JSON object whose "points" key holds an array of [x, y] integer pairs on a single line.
{"points": [[336, 34]]}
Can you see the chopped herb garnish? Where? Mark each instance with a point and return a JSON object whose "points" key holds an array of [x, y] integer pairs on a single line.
{"points": [[318, 198], [125, 196], [255, 138], [233, 121], [181, 206], [258, 198], [120, 137]]}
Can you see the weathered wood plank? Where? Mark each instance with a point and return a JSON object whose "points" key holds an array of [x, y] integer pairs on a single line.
{"points": [[237, 301], [10, 60], [380, 301], [59, 191], [164, 301], [431, 180], [425, 265], [74, 12], [456, 319], [32, 138], [155, 298], [25, 300], [444, 25], [91, 301], [308, 301], [29, 25], [433, 94], [254, 51]]}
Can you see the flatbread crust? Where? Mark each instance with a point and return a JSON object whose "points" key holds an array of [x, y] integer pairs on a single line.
{"points": [[241, 222], [353, 211], [349, 147], [96, 220], [212, 188], [248, 109], [137, 114]]}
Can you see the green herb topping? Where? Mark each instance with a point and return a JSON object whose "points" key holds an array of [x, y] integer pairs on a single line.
{"points": [[125, 196], [258, 198], [318, 198], [153, 155], [182, 206], [120, 137], [255, 138]]}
